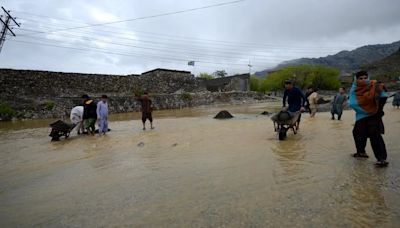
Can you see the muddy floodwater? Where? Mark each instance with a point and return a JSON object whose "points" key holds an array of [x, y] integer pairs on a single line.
{"points": [[196, 171]]}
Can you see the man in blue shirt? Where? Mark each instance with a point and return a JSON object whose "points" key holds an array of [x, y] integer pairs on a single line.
{"points": [[295, 99]]}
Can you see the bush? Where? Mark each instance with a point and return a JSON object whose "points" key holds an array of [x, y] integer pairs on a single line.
{"points": [[49, 105], [206, 76], [6, 112], [186, 96], [137, 91], [255, 83]]}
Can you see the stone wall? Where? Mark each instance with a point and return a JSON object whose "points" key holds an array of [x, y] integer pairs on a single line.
{"points": [[51, 84], [170, 81], [231, 83], [43, 94], [61, 106]]}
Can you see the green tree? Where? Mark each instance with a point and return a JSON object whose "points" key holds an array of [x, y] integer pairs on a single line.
{"points": [[220, 73], [206, 76], [303, 76], [255, 83]]}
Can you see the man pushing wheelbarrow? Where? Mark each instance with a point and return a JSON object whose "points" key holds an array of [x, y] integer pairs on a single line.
{"points": [[290, 116]]}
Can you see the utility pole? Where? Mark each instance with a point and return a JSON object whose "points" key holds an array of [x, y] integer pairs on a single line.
{"points": [[249, 65], [6, 28]]}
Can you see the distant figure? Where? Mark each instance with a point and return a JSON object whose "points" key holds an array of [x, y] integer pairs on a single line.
{"points": [[147, 110], [308, 93], [295, 99], [77, 118], [313, 101], [89, 113], [367, 98], [338, 103], [396, 99], [102, 115]]}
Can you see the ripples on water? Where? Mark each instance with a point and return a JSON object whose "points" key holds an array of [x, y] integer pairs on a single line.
{"points": [[193, 170]]}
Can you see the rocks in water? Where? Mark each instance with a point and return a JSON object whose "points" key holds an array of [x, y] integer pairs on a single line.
{"points": [[174, 145], [265, 113], [223, 115], [141, 144]]}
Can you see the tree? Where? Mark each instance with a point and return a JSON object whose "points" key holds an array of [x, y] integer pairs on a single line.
{"points": [[255, 83], [304, 76], [206, 76], [220, 73]]}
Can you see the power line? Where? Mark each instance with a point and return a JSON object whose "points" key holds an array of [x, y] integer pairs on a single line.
{"points": [[141, 56], [190, 39], [179, 49], [228, 55], [152, 16], [102, 50]]}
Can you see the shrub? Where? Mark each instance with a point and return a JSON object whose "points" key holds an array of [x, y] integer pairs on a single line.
{"points": [[49, 105], [186, 96], [6, 112]]}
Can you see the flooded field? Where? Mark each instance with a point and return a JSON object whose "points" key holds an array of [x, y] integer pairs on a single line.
{"points": [[195, 171]]}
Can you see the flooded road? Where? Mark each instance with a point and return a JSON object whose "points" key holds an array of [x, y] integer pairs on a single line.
{"points": [[195, 171]]}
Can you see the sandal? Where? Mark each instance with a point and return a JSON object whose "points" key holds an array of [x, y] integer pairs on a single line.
{"points": [[382, 163], [360, 155]]}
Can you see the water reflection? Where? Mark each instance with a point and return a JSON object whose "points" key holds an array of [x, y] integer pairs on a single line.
{"points": [[363, 198]]}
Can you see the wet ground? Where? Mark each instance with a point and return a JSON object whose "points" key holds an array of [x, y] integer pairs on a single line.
{"points": [[195, 171]]}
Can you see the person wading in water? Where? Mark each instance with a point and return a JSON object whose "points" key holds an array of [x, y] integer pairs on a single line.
{"points": [[367, 98], [147, 109], [295, 99]]}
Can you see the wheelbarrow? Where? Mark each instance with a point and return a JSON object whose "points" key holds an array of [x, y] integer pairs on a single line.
{"points": [[59, 129], [283, 121]]}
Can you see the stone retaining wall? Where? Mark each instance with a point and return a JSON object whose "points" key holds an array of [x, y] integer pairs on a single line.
{"points": [[43, 94]]}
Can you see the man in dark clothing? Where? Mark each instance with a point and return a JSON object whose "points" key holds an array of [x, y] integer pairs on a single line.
{"points": [[295, 99], [89, 113], [147, 110]]}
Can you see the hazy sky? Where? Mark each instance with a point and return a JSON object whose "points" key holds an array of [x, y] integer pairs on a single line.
{"points": [[56, 34]]}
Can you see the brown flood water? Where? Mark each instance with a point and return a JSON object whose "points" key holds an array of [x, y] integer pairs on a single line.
{"points": [[195, 171]]}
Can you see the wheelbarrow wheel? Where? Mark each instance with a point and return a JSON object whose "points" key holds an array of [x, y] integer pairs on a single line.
{"points": [[282, 135]]}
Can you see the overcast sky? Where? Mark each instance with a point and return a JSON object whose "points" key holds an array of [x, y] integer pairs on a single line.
{"points": [[225, 37]]}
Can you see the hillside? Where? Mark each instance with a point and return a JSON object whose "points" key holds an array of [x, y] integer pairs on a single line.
{"points": [[385, 69], [346, 61]]}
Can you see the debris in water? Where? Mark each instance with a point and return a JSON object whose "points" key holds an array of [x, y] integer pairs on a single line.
{"points": [[223, 115]]}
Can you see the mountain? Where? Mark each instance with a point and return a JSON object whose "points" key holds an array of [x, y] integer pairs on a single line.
{"points": [[346, 61], [387, 68]]}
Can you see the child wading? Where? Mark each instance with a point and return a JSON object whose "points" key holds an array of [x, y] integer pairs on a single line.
{"points": [[367, 98], [102, 115]]}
